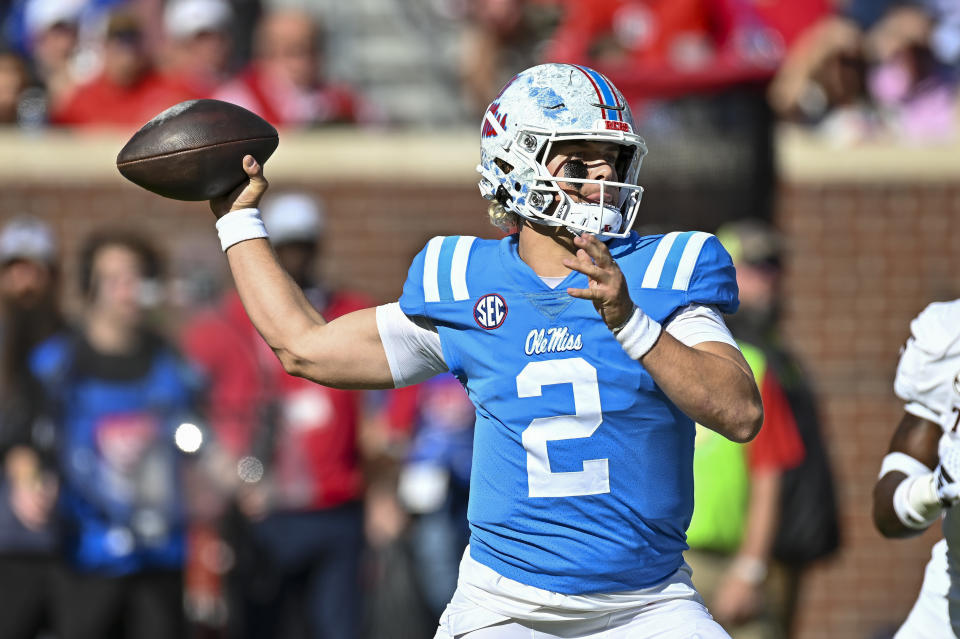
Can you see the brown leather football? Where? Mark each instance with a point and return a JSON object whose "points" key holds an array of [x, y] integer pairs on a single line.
{"points": [[194, 150]]}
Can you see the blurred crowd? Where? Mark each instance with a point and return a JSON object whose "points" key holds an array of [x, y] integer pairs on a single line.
{"points": [[166, 478], [852, 70]]}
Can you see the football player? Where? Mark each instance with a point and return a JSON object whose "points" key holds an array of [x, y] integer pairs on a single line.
{"points": [[920, 476], [587, 350]]}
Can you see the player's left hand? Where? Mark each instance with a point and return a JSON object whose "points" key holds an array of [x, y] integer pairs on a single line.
{"points": [[607, 286]]}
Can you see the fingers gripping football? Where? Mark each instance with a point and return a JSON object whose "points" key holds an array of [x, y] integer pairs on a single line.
{"points": [[245, 196], [607, 288]]}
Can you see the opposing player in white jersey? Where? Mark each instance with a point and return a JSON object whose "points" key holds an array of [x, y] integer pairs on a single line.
{"points": [[587, 362], [920, 478]]}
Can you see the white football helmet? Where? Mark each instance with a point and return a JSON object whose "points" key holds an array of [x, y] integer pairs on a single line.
{"points": [[538, 108]]}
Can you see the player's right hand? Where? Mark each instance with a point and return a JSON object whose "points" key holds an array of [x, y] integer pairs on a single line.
{"points": [[947, 482], [245, 196], [607, 287]]}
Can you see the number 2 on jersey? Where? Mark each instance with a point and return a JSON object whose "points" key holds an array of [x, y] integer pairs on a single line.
{"points": [[594, 479]]}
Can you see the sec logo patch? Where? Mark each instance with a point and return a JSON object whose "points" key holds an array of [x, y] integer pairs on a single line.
{"points": [[490, 311]]}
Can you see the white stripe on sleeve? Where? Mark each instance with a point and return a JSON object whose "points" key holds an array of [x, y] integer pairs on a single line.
{"points": [[431, 262], [691, 252], [655, 268], [458, 268]]}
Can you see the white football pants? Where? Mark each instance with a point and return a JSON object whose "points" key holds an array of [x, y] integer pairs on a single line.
{"points": [[675, 619]]}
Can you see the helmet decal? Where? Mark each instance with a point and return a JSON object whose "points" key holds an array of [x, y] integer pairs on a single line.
{"points": [[489, 130], [549, 100]]}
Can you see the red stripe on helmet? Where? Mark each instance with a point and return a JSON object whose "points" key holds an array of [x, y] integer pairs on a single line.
{"points": [[603, 112]]}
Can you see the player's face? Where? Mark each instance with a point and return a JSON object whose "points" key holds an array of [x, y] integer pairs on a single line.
{"points": [[586, 159]]}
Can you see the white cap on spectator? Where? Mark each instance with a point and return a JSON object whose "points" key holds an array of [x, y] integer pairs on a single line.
{"points": [[186, 18], [293, 217], [40, 15], [27, 238]]}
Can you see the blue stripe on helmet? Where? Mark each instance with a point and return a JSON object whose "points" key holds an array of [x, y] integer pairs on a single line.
{"points": [[609, 95]]}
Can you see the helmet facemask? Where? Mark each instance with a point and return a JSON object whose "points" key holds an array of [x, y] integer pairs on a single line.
{"points": [[532, 192]]}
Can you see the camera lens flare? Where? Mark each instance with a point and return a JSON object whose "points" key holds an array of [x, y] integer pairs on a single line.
{"points": [[188, 437]]}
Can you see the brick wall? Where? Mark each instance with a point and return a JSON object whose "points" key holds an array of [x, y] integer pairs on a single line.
{"points": [[865, 259], [867, 253]]}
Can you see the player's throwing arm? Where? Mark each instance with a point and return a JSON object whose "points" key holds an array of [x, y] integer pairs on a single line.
{"points": [[345, 353], [214, 150]]}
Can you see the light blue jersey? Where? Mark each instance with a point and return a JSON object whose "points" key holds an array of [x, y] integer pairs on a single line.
{"points": [[583, 469]]}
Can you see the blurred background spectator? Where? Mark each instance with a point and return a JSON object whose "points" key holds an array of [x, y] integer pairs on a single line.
{"points": [[737, 508], [434, 481], [298, 533], [28, 478], [198, 44], [128, 90], [499, 38], [285, 82], [806, 523], [52, 38], [14, 81], [119, 397], [876, 68]]}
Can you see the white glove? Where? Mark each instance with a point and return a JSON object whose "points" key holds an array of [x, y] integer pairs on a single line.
{"points": [[947, 473]]}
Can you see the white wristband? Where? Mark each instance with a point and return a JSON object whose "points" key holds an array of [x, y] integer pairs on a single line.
{"points": [[240, 225], [915, 501], [903, 463], [639, 334], [752, 570]]}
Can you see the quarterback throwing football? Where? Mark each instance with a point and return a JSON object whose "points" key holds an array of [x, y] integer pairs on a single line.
{"points": [[920, 476], [587, 349]]}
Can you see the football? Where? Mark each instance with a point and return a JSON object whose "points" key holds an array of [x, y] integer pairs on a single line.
{"points": [[194, 150]]}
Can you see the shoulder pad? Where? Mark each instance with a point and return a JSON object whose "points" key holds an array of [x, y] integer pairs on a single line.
{"points": [[695, 263], [438, 274], [936, 330], [928, 373]]}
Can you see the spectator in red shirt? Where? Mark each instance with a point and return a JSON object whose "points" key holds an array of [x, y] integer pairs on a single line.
{"points": [[297, 447], [52, 30], [128, 91], [198, 43], [285, 82]]}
